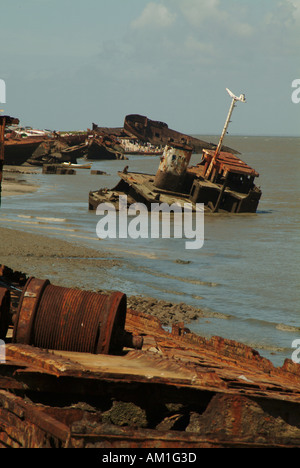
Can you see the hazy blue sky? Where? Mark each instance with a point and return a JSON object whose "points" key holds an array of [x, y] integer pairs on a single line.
{"points": [[68, 63]]}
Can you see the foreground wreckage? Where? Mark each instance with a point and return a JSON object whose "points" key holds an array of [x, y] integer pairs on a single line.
{"points": [[80, 370], [221, 181]]}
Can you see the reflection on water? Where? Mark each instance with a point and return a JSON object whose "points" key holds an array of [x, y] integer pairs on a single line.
{"points": [[247, 270]]}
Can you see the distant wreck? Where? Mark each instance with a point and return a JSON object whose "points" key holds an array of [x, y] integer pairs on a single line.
{"points": [[159, 134], [221, 181]]}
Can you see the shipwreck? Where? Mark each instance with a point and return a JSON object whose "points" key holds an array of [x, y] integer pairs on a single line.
{"points": [[159, 134], [222, 181], [80, 369], [36, 147], [103, 146]]}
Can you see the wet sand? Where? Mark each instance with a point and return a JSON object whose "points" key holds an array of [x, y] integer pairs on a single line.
{"points": [[12, 185], [70, 265]]}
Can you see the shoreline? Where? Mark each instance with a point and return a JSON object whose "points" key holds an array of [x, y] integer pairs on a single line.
{"points": [[47, 257], [71, 265]]}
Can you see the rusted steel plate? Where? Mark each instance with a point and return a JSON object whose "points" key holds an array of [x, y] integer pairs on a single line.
{"points": [[27, 424], [121, 437], [230, 161], [117, 437], [183, 361], [235, 364], [178, 357]]}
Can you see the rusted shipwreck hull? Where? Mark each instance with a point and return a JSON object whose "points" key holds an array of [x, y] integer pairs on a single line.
{"points": [[37, 150], [159, 134], [169, 389], [101, 147], [17, 152], [54, 151], [225, 183]]}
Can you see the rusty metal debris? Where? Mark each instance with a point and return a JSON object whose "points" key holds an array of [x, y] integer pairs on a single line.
{"points": [[72, 320], [57, 169], [103, 147], [56, 151], [178, 390]]}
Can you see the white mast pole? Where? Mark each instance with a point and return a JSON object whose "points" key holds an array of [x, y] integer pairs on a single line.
{"points": [[232, 106]]}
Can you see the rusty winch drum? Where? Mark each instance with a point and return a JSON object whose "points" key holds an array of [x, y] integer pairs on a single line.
{"points": [[54, 317]]}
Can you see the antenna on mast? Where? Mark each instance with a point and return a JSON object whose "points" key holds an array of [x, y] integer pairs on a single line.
{"points": [[241, 98]]}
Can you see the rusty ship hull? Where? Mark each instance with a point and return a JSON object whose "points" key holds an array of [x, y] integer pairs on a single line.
{"points": [[17, 152], [102, 147], [159, 134]]}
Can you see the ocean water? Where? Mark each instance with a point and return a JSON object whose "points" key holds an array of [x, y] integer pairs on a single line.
{"points": [[246, 275]]}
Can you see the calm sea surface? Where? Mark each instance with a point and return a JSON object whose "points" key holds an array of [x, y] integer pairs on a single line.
{"points": [[247, 270]]}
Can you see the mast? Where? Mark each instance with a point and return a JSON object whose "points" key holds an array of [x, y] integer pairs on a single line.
{"points": [[241, 98]]}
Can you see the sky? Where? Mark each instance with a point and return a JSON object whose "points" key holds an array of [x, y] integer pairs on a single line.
{"points": [[69, 63]]}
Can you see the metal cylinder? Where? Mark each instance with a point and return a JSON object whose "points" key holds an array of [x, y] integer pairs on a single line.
{"points": [[172, 167], [54, 317], [4, 312]]}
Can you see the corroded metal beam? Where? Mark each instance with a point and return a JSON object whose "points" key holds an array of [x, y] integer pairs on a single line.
{"points": [[4, 120]]}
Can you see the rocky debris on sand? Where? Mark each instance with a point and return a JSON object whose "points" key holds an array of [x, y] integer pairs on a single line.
{"points": [[167, 312]]}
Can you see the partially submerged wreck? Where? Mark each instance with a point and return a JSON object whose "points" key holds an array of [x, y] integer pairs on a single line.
{"points": [[159, 134], [56, 151], [221, 181], [36, 147], [65, 382], [18, 151], [99, 147]]}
